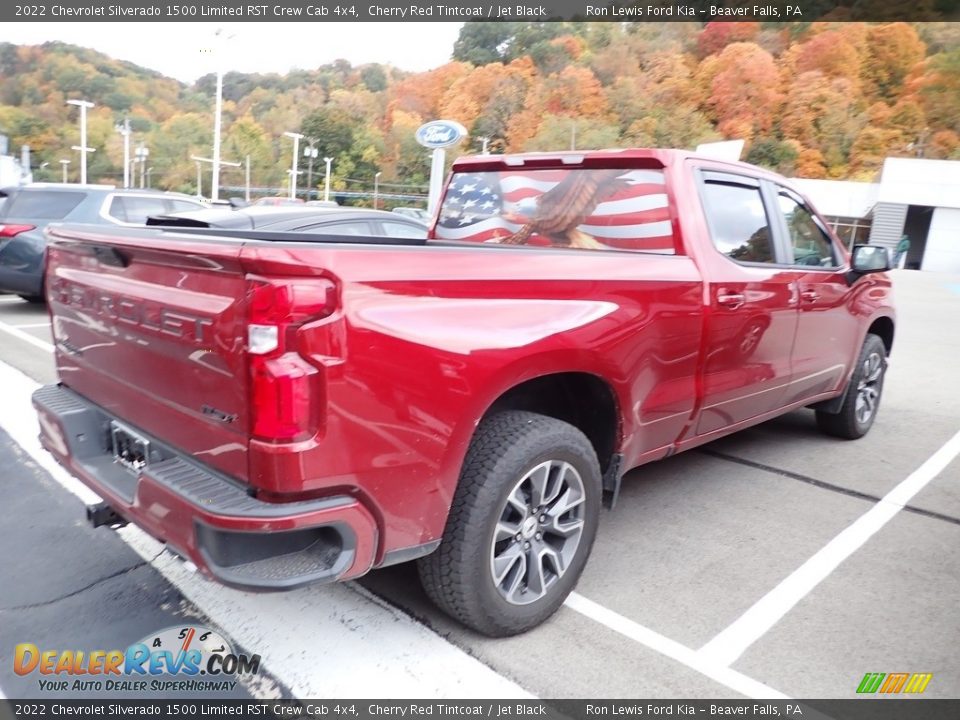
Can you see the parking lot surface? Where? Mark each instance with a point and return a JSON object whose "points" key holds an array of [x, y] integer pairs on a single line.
{"points": [[776, 562]]}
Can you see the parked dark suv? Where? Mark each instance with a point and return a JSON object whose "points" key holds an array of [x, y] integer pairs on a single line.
{"points": [[26, 210]]}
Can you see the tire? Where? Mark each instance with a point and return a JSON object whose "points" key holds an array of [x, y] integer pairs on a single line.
{"points": [[480, 575], [862, 397], [35, 299]]}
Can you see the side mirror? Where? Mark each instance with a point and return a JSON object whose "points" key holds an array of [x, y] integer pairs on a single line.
{"points": [[869, 259]]}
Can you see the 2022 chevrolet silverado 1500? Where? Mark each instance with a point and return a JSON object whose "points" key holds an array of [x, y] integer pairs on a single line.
{"points": [[283, 409]]}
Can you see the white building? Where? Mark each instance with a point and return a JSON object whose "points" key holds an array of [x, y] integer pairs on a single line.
{"points": [[917, 198]]}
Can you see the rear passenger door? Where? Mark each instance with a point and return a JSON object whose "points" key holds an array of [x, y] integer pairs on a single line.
{"points": [[752, 315], [825, 326]]}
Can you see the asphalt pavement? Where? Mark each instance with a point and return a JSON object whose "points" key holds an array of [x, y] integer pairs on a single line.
{"points": [[776, 562]]}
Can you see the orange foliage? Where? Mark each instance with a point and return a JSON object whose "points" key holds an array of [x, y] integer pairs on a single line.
{"points": [[830, 54], [745, 92], [421, 93], [944, 144], [467, 98], [894, 50], [573, 46], [810, 164], [715, 36]]}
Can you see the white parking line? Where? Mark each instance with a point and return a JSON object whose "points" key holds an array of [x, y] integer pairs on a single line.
{"points": [[28, 326], [25, 337], [732, 679], [732, 642], [328, 641], [10, 299]]}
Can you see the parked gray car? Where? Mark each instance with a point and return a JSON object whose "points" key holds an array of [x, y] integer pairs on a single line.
{"points": [[26, 210], [317, 220]]}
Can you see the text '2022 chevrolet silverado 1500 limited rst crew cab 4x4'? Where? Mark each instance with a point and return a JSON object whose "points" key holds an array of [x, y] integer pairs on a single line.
{"points": [[283, 409]]}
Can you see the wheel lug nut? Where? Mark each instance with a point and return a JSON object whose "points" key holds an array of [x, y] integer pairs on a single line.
{"points": [[519, 537], [538, 536], [543, 518], [526, 546]]}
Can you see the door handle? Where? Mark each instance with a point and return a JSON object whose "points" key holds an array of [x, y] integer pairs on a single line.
{"points": [[730, 300], [809, 295]]}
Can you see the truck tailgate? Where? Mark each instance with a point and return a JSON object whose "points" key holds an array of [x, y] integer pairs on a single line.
{"points": [[153, 330]]}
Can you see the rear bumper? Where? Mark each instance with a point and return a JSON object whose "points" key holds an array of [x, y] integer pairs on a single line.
{"points": [[205, 517]]}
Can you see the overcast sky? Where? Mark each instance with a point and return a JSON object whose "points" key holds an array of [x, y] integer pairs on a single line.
{"points": [[182, 50]]}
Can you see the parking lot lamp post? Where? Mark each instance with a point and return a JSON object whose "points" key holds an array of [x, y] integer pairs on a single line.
{"points": [[293, 165], [64, 164], [326, 182], [83, 105], [311, 154], [376, 190], [124, 130], [220, 48], [142, 154]]}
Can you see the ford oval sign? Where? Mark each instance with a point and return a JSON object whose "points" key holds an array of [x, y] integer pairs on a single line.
{"points": [[440, 133]]}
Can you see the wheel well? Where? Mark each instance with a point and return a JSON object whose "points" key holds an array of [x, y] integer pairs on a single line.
{"points": [[883, 328], [585, 401]]}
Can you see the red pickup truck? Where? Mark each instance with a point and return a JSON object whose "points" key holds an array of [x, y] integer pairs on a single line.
{"points": [[283, 409]]}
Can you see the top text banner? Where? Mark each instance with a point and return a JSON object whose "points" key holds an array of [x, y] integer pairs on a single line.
{"points": [[479, 10]]}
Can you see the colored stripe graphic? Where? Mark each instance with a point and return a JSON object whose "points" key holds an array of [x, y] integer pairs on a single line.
{"points": [[918, 682], [893, 683], [871, 682]]}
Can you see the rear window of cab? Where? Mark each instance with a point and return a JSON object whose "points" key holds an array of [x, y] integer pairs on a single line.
{"points": [[578, 208]]}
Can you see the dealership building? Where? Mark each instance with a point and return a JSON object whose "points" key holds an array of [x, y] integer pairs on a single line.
{"points": [[919, 198]]}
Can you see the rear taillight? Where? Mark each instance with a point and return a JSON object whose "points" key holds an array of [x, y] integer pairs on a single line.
{"points": [[9, 231], [286, 389]]}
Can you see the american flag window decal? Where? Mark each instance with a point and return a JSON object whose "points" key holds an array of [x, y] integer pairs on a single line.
{"points": [[588, 209]]}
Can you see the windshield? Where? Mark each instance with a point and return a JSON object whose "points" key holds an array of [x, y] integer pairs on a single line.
{"points": [[575, 208]]}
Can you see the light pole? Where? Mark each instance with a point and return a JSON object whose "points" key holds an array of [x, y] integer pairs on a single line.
{"points": [[215, 164], [293, 166], [83, 105], [149, 170], [124, 130], [311, 154], [199, 181], [64, 164], [326, 182], [376, 190], [218, 113], [142, 154]]}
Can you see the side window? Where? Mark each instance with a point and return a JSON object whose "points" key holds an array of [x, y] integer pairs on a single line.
{"points": [[738, 221], [811, 245], [182, 205], [402, 230], [133, 209], [337, 228]]}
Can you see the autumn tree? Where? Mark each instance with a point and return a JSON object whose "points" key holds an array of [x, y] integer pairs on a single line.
{"points": [[939, 90], [745, 94], [566, 133], [486, 99], [717, 35], [892, 52], [820, 113], [574, 92]]}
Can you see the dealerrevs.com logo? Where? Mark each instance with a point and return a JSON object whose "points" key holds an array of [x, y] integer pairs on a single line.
{"points": [[178, 659]]}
